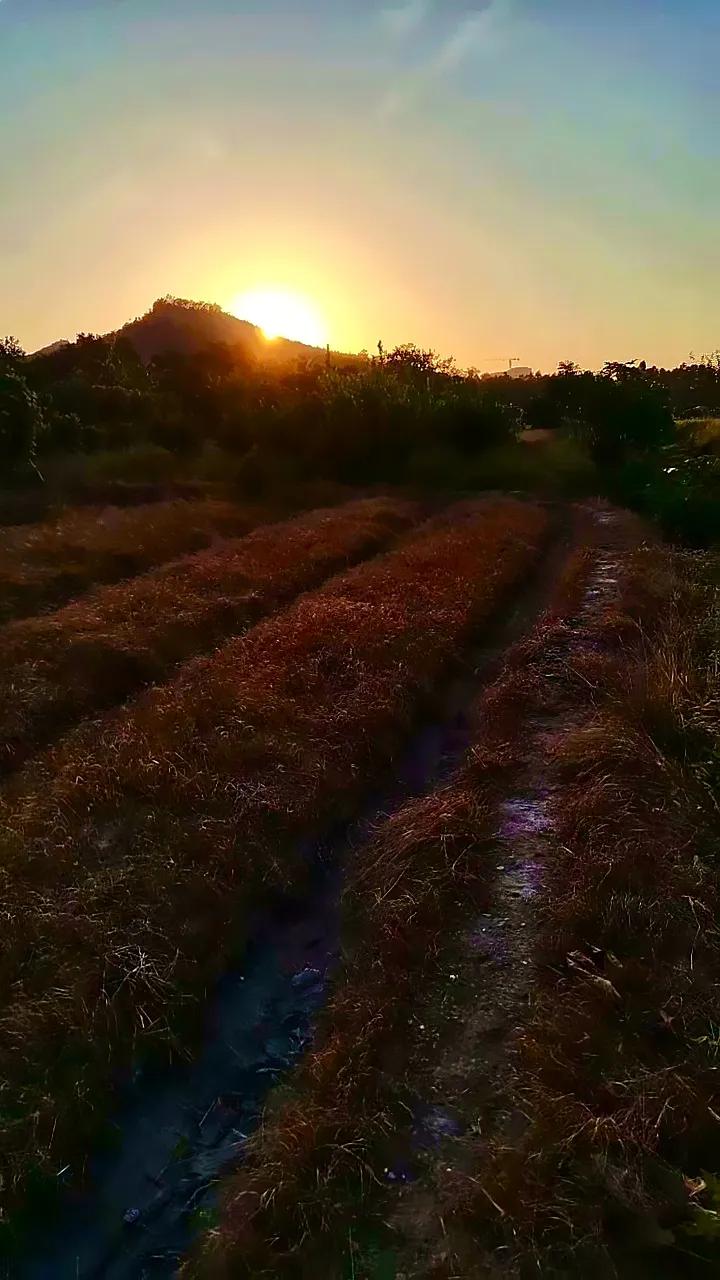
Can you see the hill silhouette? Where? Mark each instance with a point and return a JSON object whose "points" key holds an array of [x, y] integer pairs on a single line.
{"points": [[181, 325], [178, 324]]}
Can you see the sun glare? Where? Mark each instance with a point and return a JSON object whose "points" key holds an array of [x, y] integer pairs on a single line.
{"points": [[282, 315]]}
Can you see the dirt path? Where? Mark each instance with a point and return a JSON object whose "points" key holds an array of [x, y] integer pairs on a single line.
{"points": [[179, 1132]]}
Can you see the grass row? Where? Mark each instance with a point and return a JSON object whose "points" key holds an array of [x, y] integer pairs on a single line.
{"points": [[312, 1192], [59, 667], [614, 1167], [619, 1171], [43, 565], [314, 1179], [131, 854]]}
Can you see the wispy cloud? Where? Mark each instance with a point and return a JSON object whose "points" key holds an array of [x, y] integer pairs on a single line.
{"points": [[401, 20], [462, 26], [469, 33]]}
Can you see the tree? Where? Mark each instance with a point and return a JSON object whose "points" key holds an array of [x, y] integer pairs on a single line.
{"points": [[21, 422], [622, 370], [625, 417], [412, 360], [11, 353]]}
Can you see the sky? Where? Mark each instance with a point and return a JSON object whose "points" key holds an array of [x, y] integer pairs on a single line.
{"points": [[529, 178]]}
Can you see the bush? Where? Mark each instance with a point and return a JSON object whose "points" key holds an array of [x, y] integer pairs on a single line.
{"points": [[139, 463], [437, 467], [556, 468], [681, 493], [614, 416]]}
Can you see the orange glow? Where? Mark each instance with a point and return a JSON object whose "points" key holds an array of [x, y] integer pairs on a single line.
{"points": [[281, 314]]}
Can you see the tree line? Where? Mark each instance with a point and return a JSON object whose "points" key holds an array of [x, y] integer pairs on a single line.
{"points": [[385, 419]]}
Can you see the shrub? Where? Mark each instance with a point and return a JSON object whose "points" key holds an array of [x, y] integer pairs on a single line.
{"points": [[140, 463], [559, 467], [680, 492]]}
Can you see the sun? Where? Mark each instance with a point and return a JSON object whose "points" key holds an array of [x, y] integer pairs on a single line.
{"points": [[281, 314]]}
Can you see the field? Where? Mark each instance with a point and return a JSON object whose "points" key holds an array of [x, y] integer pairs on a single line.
{"points": [[42, 565], [96, 650], [359, 895]]}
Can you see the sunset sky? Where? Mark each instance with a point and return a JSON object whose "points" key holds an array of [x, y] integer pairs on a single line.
{"points": [[531, 178]]}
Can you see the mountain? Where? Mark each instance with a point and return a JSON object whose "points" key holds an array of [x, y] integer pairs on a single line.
{"points": [[175, 324], [51, 348]]}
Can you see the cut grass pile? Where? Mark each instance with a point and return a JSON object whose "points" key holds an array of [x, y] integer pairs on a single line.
{"points": [[94, 652], [43, 565], [132, 853]]}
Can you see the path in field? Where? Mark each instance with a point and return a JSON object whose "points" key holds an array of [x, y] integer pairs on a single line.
{"points": [[467, 1091], [178, 1133]]}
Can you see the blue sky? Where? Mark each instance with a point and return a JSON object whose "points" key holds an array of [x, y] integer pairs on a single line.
{"points": [[526, 177]]}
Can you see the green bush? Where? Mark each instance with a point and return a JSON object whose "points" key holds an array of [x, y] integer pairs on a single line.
{"points": [[682, 494]]}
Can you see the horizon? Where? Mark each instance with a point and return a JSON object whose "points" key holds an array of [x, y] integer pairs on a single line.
{"points": [[485, 179], [692, 357]]}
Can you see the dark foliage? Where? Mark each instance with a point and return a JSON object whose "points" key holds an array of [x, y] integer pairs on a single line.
{"points": [[187, 379], [21, 413]]}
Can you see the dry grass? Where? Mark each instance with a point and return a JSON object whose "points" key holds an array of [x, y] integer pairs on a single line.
{"points": [[132, 852], [617, 1069], [43, 565], [314, 1171], [313, 1166], [94, 652]]}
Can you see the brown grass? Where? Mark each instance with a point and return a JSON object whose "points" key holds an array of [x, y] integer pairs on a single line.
{"points": [[43, 565], [314, 1170], [131, 854], [313, 1166], [639, 826], [617, 1068], [94, 652]]}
